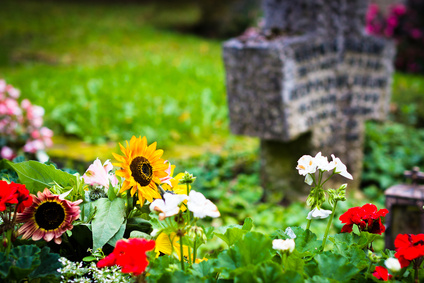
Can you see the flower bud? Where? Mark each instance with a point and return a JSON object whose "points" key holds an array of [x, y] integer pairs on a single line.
{"points": [[187, 178], [5, 242], [373, 257], [197, 232], [392, 264]]}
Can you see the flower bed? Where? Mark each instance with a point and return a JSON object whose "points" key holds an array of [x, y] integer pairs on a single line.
{"points": [[136, 220]]}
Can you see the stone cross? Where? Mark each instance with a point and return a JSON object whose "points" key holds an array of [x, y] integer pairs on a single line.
{"points": [[306, 83]]}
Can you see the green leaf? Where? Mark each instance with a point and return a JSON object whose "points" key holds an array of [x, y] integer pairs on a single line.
{"points": [[48, 266], [118, 236], [306, 242], [177, 277], [138, 224], [89, 258], [272, 272], [254, 248], [317, 279], [26, 259], [295, 262], [248, 224], [5, 264], [335, 267], [231, 235], [205, 269], [351, 247], [108, 220], [227, 261], [37, 176], [111, 193], [138, 234]]}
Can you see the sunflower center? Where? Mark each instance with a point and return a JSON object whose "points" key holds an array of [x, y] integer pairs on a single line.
{"points": [[50, 215], [142, 170]]}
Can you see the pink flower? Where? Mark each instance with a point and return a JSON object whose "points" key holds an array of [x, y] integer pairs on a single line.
{"points": [[46, 132], [34, 146], [25, 104], [48, 217], [399, 9], [12, 107], [167, 179], [98, 174], [35, 134], [2, 85], [7, 153], [13, 92]]}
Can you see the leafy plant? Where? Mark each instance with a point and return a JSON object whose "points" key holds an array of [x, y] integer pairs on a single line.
{"points": [[29, 262], [390, 149]]}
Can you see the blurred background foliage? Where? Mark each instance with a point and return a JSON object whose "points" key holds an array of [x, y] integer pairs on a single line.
{"points": [[105, 71]]}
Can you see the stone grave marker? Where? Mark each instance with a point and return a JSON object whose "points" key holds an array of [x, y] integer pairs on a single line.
{"points": [[306, 83]]}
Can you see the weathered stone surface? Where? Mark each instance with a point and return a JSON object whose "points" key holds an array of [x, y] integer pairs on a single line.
{"points": [[320, 75], [325, 17]]}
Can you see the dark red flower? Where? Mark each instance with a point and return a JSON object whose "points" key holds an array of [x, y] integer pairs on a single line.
{"points": [[367, 218], [409, 247], [7, 194], [23, 197], [381, 273], [130, 255]]}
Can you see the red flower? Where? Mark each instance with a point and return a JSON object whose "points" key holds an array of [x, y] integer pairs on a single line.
{"points": [[367, 217], [409, 247], [382, 273], [130, 255], [7, 194], [23, 196]]}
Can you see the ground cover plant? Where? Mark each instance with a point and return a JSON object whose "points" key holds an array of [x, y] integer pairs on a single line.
{"points": [[143, 215]]}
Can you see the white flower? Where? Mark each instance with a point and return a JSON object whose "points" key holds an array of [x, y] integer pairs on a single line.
{"points": [[309, 179], [201, 206], [392, 264], [154, 233], [289, 232], [318, 214], [168, 207], [306, 165], [340, 168], [322, 162], [283, 245]]}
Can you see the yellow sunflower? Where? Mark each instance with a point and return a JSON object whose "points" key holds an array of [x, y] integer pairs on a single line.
{"points": [[142, 168]]}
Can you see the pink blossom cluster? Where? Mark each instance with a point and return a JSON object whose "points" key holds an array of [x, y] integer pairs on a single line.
{"points": [[21, 124], [378, 25]]}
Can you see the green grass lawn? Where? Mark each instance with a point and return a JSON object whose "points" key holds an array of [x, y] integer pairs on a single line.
{"points": [[110, 71], [105, 72]]}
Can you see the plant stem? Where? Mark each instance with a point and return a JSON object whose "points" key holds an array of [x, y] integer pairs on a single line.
{"points": [[182, 253], [308, 224], [328, 226], [189, 255], [188, 211], [416, 266], [195, 249], [284, 259]]}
